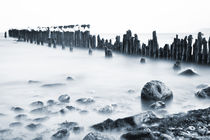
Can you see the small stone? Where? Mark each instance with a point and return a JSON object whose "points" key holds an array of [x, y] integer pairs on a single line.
{"points": [[142, 60], [51, 102], [33, 126], [17, 109], [64, 98], [188, 72], [61, 134], [85, 101], [69, 78], [37, 104], [15, 124], [21, 117], [77, 129]]}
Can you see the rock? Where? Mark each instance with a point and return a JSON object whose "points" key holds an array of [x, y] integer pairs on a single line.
{"points": [[33, 82], [125, 123], [85, 101], [15, 124], [68, 125], [17, 109], [131, 91], [62, 111], [177, 65], [5, 131], [21, 117], [40, 110], [142, 60], [156, 90], [64, 98], [158, 105], [137, 135], [97, 136], [108, 109], [33, 126], [53, 85], [51, 102], [77, 129], [37, 104], [69, 78], [188, 72], [62, 134], [83, 112], [41, 119], [203, 93], [71, 108]]}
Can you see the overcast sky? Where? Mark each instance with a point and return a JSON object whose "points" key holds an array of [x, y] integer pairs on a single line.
{"points": [[108, 16]]}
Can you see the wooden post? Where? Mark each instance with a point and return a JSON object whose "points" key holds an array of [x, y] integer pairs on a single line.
{"points": [[199, 47], [208, 61], [205, 53], [189, 49]]}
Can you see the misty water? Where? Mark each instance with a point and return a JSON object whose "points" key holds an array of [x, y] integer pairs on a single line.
{"points": [[107, 81]]}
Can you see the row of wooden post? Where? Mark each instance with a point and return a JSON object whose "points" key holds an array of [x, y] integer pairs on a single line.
{"points": [[180, 49]]}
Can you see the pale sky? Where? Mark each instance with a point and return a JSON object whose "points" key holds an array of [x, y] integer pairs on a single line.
{"points": [[108, 16]]}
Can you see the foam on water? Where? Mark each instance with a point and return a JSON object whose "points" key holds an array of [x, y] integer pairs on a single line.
{"points": [[105, 80]]}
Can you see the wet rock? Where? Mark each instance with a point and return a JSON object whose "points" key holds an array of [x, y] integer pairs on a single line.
{"points": [[97, 136], [62, 111], [156, 90], [69, 78], [108, 109], [83, 112], [203, 93], [33, 82], [2, 114], [142, 60], [5, 131], [17, 109], [85, 101], [33, 126], [61, 135], [68, 125], [137, 135], [21, 117], [131, 91], [77, 129], [53, 85], [15, 124], [158, 105], [51, 102], [188, 72], [71, 108], [126, 123], [40, 110], [37, 104], [64, 98], [177, 65], [41, 119]]}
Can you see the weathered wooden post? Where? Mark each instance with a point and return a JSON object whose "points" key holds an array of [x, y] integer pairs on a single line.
{"points": [[143, 49], [208, 61], [5, 35], [49, 37], [155, 46], [205, 53], [199, 47], [189, 49], [62, 40]]}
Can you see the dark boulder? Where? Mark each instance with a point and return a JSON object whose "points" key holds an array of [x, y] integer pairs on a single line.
{"points": [[69, 78], [51, 102], [37, 104], [156, 90], [53, 85], [188, 72], [64, 98], [203, 93], [126, 123], [85, 101], [142, 60], [77, 129], [33, 126], [62, 134], [71, 108], [15, 124], [17, 109], [21, 117]]}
